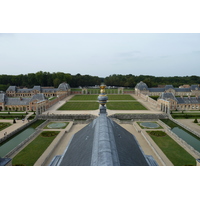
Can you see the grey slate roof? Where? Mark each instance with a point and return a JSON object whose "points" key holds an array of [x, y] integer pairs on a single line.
{"points": [[195, 87], [39, 97], [2, 97], [12, 88], [182, 89], [37, 88], [17, 101], [156, 89], [141, 86], [63, 87], [24, 90], [167, 96], [167, 87], [103, 143], [45, 90], [188, 100], [24, 101]]}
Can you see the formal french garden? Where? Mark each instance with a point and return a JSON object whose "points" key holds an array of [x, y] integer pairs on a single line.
{"points": [[90, 102]]}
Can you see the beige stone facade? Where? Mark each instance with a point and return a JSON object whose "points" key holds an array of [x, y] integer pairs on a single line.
{"points": [[37, 99], [170, 98], [141, 87]]}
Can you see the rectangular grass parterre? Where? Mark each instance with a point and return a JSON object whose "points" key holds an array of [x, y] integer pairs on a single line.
{"points": [[85, 97], [80, 106], [125, 106], [120, 97]]}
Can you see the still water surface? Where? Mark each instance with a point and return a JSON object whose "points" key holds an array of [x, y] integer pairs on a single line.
{"points": [[13, 142], [188, 137]]}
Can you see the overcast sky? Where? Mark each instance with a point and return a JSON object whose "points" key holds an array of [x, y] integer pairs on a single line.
{"points": [[101, 54]]}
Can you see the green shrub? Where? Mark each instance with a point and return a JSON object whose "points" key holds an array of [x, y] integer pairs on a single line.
{"points": [[157, 133]]}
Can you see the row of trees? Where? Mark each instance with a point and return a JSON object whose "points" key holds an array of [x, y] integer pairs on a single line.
{"points": [[48, 79], [54, 79], [152, 81]]}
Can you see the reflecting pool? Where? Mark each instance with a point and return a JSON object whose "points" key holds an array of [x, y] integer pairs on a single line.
{"points": [[9, 145], [188, 137]]}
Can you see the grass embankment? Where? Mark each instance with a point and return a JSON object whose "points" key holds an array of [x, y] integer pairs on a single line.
{"points": [[175, 153], [4, 125], [31, 153]]}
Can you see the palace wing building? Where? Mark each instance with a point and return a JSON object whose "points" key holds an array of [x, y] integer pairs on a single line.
{"points": [[170, 98], [35, 99], [142, 88]]}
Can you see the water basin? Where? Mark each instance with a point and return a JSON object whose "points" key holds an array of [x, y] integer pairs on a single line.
{"points": [[56, 125], [185, 135], [149, 124], [6, 147]]}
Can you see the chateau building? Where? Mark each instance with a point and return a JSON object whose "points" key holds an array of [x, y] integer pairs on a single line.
{"points": [[170, 98], [178, 103], [14, 91], [36, 99], [142, 88]]}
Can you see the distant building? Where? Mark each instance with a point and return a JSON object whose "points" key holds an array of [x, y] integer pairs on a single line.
{"points": [[14, 91], [34, 99], [142, 88], [179, 103], [170, 98]]}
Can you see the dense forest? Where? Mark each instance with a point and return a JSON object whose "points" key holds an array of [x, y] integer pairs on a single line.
{"points": [[54, 79]]}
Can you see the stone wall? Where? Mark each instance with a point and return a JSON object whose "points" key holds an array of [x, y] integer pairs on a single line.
{"points": [[135, 117], [69, 117]]}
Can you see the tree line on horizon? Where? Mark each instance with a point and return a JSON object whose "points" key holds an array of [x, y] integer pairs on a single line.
{"points": [[46, 79]]}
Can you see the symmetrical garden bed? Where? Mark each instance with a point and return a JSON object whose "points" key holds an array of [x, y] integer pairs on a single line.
{"points": [[90, 102]]}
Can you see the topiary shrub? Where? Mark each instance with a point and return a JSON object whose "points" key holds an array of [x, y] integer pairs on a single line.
{"points": [[196, 121]]}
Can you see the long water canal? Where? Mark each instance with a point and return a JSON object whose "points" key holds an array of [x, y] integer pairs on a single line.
{"points": [[188, 137]]}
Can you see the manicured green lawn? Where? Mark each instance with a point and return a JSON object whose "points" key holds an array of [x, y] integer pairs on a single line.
{"points": [[31, 153], [85, 97], [80, 106], [82, 103], [120, 97], [95, 97], [125, 106], [176, 154], [4, 125]]}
